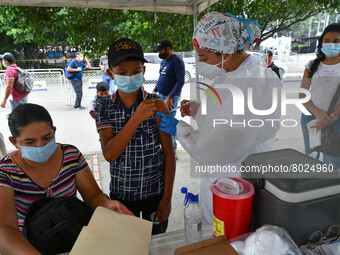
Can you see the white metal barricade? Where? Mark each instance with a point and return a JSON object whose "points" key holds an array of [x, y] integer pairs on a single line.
{"points": [[51, 85]]}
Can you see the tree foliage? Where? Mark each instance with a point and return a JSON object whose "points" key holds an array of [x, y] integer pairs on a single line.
{"points": [[275, 16], [25, 29]]}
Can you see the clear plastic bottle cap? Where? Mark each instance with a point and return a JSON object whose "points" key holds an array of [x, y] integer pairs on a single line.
{"points": [[232, 188], [229, 186]]}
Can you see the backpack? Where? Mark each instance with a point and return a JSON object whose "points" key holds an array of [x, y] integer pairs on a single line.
{"points": [[25, 81], [52, 225], [70, 75]]}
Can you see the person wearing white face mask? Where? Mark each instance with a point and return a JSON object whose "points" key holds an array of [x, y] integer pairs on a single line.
{"points": [[40, 168], [322, 78], [77, 66], [142, 161], [219, 40]]}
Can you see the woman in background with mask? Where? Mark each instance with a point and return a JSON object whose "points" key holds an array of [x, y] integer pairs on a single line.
{"points": [[322, 78], [226, 132], [40, 168]]}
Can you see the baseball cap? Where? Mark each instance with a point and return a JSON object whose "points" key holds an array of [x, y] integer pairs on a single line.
{"points": [[122, 49], [8, 56], [163, 43]]}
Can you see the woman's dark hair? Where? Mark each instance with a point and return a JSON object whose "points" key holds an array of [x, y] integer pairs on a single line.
{"points": [[25, 114], [102, 86], [320, 56]]}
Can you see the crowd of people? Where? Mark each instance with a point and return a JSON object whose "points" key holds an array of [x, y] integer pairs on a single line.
{"points": [[138, 130]]}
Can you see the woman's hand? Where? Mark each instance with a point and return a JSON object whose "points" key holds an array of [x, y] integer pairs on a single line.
{"points": [[118, 207], [189, 109], [323, 120], [334, 116], [163, 210]]}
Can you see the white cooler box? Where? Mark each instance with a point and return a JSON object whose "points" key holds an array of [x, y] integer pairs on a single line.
{"points": [[301, 202]]}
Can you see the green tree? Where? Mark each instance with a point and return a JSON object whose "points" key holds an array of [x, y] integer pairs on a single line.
{"points": [[27, 28], [93, 29], [276, 16]]}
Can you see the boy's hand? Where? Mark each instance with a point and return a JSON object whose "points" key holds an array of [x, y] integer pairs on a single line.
{"points": [[163, 210], [145, 109]]}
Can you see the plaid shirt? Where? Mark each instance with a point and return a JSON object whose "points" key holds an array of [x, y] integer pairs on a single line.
{"points": [[138, 173]]}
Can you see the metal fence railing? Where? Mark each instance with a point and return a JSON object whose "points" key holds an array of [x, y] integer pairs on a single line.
{"points": [[51, 85]]}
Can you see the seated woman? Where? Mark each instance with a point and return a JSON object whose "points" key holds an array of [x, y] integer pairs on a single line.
{"points": [[40, 168]]}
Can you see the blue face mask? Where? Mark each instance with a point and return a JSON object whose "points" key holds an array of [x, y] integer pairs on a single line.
{"points": [[39, 154], [129, 84], [331, 50]]}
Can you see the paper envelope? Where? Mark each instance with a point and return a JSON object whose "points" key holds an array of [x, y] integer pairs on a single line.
{"points": [[112, 233]]}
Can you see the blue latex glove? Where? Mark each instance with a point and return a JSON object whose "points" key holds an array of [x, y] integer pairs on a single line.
{"points": [[168, 124]]}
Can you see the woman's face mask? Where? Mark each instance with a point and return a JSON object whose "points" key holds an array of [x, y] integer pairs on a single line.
{"points": [[129, 84], [39, 154], [331, 50], [210, 71]]}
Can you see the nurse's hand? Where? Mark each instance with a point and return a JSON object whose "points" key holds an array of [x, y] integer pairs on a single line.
{"points": [[189, 108], [168, 124]]}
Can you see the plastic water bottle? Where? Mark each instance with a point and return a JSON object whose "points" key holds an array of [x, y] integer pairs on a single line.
{"points": [[193, 216]]}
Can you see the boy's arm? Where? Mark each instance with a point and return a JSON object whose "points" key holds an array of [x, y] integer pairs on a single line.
{"points": [[164, 207], [113, 145]]}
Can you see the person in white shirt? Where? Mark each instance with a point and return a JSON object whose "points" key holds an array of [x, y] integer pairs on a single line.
{"points": [[322, 78], [219, 40]]}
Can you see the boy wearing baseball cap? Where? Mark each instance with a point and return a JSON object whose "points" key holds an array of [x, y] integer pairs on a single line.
{"points": [[11, 77], [142, 162]]}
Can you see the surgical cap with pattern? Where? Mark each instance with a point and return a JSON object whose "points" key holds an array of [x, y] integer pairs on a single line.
{"points": [[225, 33]]}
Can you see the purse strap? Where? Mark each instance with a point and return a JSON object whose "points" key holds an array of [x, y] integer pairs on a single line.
{"points": [[334, 100]]}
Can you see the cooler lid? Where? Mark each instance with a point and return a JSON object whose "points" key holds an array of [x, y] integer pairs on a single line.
{"points": [[232, 188], [310, 179], [298, 197]]}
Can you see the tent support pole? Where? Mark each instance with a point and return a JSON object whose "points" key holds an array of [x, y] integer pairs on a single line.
{"points": [[195, 17]]}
